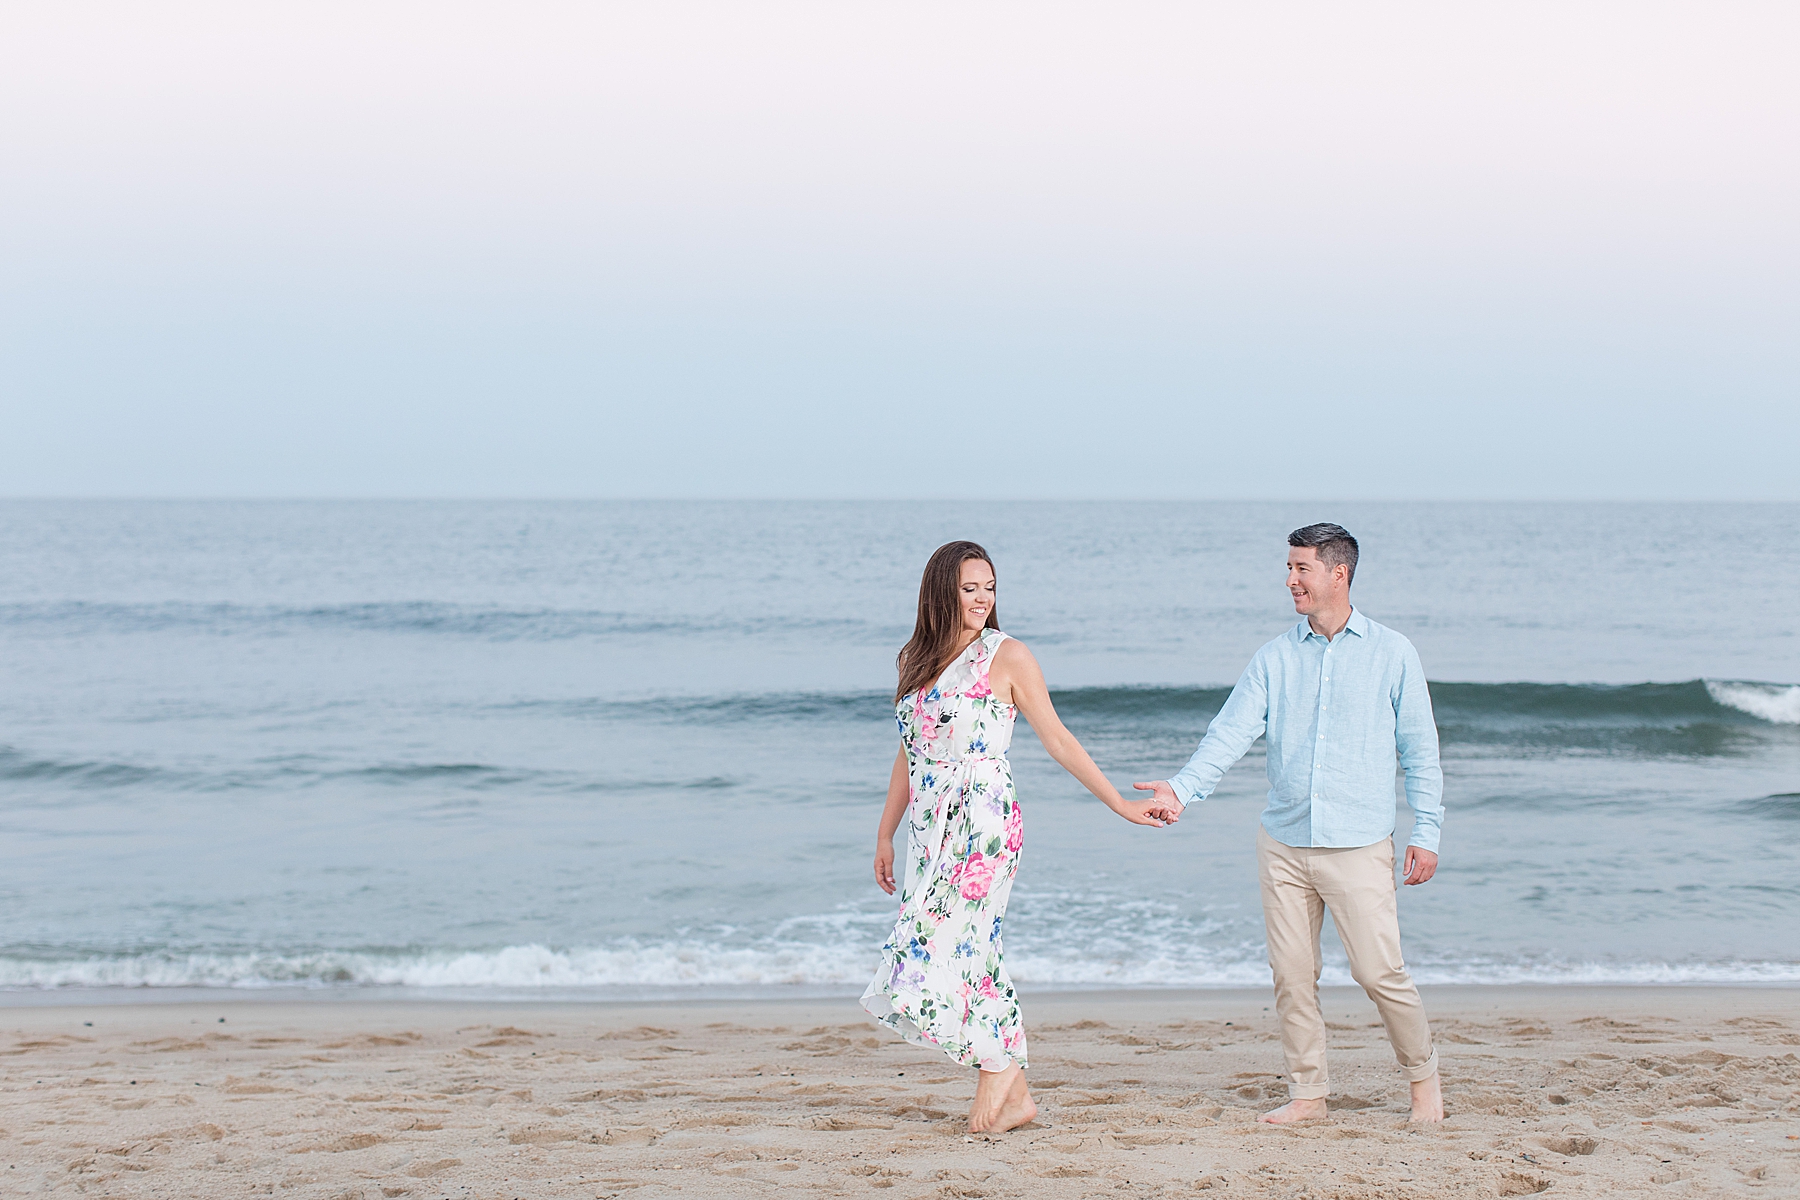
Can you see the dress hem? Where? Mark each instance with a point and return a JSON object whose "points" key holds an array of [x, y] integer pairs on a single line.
{"points": [[900, 1016]]}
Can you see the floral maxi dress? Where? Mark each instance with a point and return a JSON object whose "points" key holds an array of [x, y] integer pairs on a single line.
{"points": [[942, 980]]}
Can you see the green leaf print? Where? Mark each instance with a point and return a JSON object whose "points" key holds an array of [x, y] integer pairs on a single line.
{"points": [[993, 847]]}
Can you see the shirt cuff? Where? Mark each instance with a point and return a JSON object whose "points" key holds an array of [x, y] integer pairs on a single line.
{"points": [[1176, 787]]}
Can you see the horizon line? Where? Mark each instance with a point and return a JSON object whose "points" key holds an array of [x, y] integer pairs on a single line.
{"points": [[427, 498]]}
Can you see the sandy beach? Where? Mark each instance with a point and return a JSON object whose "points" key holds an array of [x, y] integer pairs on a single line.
{"points": [[1574, 1091]]}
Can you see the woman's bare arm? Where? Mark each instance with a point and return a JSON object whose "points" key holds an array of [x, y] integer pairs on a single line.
{"points": [[1016, 673], [898, 794]]}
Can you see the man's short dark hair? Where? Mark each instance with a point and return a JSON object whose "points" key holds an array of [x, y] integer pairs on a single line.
{"points": [[1333, 542]]}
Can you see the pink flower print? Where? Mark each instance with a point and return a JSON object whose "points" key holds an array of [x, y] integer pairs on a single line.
{"points": [[1015, 830], [986, 990], [980, 688], [927, 721], [927, 725], [975, 876]]}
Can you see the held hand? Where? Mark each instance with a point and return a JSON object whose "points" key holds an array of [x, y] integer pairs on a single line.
{"points": [[1420, 865], [1145, 812], [884, 866], [1164, 801], [1159, 809]]}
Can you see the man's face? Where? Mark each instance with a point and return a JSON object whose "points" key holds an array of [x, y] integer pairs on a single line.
{"points": [[1312, 584]]}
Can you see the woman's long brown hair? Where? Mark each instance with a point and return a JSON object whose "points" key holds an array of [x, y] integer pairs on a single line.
{"points": [[939, 627]]}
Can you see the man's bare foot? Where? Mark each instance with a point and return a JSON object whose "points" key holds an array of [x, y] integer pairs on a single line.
{"points": [[1296, 1110], [1427, 1101], [1019, 1109], [991, 1090]]}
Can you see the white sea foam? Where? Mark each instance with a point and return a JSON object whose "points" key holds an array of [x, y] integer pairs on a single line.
{"points": [[1774, 702], [684, 965], [668, 964]]}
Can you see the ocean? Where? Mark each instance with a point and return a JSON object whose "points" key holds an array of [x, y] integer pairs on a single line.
{"points": [[640, 748]]}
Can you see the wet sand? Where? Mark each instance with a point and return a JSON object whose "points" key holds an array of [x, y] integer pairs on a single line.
{"points": [[1569, 1091]]}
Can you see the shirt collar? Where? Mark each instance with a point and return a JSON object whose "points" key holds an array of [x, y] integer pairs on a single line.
{"points": [[1358, 624]]}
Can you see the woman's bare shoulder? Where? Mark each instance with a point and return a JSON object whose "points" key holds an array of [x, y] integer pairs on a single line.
{"points": [[1012, 648], [1013, 653]]}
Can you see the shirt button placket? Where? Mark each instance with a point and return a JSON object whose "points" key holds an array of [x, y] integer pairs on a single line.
{"points": [[1312, 809], [1318, 752]]}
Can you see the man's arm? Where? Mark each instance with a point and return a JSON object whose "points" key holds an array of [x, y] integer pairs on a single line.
{"points": [[1415, 737], [1228, 737]]}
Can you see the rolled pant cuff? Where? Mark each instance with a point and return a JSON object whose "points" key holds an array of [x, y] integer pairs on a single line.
{"points": [[1424, 1070], [1308, 1091]]}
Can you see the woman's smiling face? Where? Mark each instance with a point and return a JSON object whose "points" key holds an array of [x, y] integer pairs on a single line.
{"points": [[978, 594]]}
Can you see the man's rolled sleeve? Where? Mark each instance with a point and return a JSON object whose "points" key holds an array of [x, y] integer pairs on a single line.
{"points": [[1416, 739], [1239, 723]]}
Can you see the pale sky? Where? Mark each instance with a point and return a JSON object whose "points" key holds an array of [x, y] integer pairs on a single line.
{"points": [[947, 251]]}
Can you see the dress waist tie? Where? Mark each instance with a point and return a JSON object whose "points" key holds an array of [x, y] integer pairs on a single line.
{"points": [[958, 765]]}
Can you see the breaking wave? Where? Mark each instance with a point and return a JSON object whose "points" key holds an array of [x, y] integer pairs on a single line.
{"points": [[1508, 704], [1696, 718], [696, 965], [1776, 703]]}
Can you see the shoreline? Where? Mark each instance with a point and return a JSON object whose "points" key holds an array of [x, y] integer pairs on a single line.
{"points": [[711, 995]]}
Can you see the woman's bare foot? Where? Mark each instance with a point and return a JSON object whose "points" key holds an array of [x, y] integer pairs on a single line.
{"points": [[1019, 1109], [1296, 1110], [991, 1090], [1427, 1101]]}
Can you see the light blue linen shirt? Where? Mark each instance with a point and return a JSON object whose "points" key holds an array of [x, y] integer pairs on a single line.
{"points": [[1337, 712]]}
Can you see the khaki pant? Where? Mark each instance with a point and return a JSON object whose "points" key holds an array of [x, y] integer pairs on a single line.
{"points": [[1298, 884]]}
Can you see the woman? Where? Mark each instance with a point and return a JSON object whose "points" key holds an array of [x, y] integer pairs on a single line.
{"points": [[942, 981]]}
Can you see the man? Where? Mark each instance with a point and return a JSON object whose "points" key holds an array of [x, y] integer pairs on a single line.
{"points": [[1339, 696]]}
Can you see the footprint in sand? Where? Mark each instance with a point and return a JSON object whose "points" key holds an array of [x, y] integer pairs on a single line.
{"points": [[1515, 1184], [426, 1170]]}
